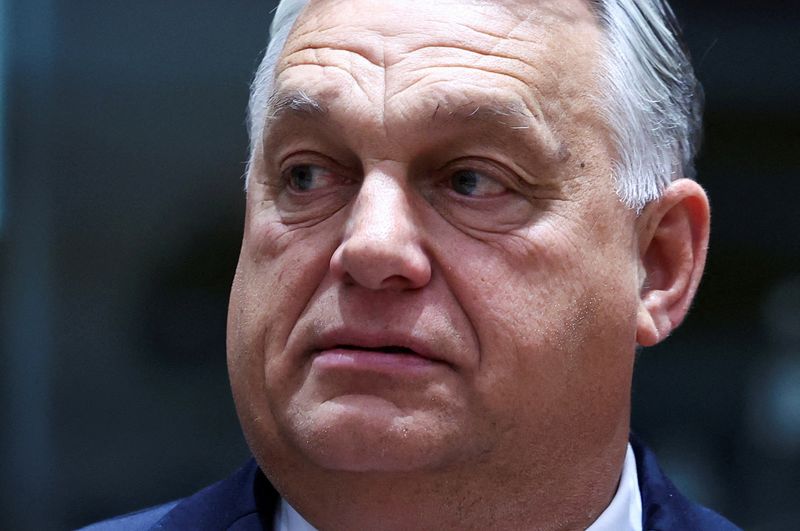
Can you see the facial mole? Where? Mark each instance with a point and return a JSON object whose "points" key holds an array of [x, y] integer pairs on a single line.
{"points": [[583, 165]]}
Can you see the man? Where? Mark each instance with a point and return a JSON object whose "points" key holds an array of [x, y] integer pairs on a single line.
{"points": [[463, 217]]}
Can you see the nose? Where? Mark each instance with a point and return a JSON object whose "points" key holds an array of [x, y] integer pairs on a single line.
{"points": [[382, 246]]}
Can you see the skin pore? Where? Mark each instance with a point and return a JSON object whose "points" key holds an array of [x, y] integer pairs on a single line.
{"points": [[434, 316]]}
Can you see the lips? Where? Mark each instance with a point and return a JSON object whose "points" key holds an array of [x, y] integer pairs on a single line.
{"points": [[388, 343], [391, 349]]}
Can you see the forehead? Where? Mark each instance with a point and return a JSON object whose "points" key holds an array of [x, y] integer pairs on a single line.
{"points": [[409, 21], [393, 59], [502, 15], [396, 44]]}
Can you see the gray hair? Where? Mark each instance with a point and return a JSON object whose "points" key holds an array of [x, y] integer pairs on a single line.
{"points": [[650, 98]]}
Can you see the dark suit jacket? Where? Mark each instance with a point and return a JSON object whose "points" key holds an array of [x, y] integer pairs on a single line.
{"points": [[246, 502]]}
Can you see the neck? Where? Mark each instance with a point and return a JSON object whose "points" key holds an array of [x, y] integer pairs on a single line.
{"points": [[568, 489]]}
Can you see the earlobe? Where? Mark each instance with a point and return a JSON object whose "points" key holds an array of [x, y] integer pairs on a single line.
{"points": [[673, 239]]}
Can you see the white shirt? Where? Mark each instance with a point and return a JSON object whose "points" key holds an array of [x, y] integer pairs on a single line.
{"points": [[624, 513]]}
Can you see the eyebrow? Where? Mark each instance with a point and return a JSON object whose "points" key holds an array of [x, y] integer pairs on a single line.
{"points": [[300, 102], [293, 102], [501, 112], [514, 115]]}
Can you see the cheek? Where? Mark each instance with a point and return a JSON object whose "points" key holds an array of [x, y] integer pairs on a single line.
{"points": [[550, 322], [278, 272]]}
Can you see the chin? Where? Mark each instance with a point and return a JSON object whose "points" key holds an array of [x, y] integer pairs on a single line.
{"points": [[363, 433]]}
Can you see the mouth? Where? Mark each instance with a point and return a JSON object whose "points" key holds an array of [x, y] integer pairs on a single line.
{"points": [[388, 349], [389, 359], [380, 351]]}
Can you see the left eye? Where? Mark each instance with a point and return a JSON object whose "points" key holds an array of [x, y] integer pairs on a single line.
{"points": [[475, 184], [307, 177]]}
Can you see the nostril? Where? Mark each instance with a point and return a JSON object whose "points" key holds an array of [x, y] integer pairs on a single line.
{"points": [[394, 282], [381, 265]]}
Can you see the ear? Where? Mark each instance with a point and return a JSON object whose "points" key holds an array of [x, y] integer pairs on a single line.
{"points": [[673, 239]]}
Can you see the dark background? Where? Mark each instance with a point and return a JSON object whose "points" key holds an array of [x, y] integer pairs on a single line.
{"points": [[123, 146]]}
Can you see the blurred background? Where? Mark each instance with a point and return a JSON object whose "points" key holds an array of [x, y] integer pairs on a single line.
{"points": [[123, 146]]}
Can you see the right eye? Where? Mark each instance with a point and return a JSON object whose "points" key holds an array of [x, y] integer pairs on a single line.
{"points": [[476, 184], [308, 177]]}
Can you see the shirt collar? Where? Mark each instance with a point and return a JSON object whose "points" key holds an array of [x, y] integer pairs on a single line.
{"points": [[624, 513]]}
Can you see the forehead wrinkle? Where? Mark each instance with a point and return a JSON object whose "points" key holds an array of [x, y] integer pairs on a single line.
{"points": [[318, 45], [474, 102], [361, 55], [309, 79], [441, 108], [383, 45], [427, 72], [530, 64], [319, 31]]}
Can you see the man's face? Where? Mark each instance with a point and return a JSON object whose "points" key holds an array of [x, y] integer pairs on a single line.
{"points": [[435, 267]]}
